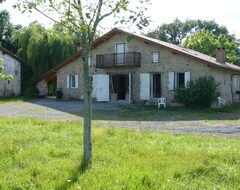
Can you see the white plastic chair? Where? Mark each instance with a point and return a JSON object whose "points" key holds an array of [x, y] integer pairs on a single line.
{"points": [[221, 101], [162, 101]]}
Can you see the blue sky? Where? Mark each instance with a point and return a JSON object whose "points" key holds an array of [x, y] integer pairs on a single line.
{"points": [[223, 12]]}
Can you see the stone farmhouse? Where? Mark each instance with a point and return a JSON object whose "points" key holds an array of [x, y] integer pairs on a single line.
{"points": [[134, 68], [12, 66]]}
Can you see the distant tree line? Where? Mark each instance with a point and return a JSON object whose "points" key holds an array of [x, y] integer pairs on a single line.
{"points": [[200, 35]]}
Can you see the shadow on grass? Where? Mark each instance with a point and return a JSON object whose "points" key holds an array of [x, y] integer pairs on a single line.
{"points": [[74, 176]]}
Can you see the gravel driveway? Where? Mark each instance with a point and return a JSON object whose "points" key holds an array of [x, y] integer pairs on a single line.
{"points": [[70, 110]]}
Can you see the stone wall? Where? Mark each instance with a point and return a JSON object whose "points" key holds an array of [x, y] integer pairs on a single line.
{"points": [[13, 67], [42, 87]]}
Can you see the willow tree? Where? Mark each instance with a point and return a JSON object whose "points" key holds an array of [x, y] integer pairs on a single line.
{"points": [[83, 18]]}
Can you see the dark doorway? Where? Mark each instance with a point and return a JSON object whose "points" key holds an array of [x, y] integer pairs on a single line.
{"points": [[156, 85], [120, 86]]}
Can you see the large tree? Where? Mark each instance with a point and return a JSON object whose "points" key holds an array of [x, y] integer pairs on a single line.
{"points": [[177, 32], [83, 18], [206, 42], [6, 32]]}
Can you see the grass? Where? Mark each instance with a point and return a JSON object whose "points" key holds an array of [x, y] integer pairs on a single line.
{"points": [[12, 99], [37, 154]]}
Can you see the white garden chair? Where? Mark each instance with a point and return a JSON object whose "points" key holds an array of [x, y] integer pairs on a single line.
{"points": [[221, 101], [162, 101]]}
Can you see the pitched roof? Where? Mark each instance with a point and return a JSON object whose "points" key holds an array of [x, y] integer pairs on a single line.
{"points": [[5, 51], [176, 49]]}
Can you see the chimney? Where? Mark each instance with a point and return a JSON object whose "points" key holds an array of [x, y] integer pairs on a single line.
{"points": [[79, 46], [220, 55]]}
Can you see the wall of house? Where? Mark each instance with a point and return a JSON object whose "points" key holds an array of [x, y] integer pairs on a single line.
{"points": [[74, 68], [170, 61], [42, 87], [13, 67]]}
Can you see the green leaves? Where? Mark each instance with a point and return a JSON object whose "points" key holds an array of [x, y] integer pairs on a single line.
{"points": [[2, 75]]}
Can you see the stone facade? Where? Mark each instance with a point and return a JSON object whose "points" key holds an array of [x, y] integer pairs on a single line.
{"points": [[42, 86], [11, 67], [170, 61]]}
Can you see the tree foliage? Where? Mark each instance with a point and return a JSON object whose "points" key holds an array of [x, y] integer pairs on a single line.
{"points": [[2, 75], [206, 35], [206, 42], [6, 32]]}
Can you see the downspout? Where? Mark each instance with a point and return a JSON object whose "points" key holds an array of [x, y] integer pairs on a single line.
{"points": [[232, 85]]}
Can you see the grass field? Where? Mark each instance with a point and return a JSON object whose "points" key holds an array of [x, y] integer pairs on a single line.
{"points": [[37, 154]]}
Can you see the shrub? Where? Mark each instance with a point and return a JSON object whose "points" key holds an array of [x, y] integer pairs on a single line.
{"points": [[201, 92], [31, 92], [59, 93]]}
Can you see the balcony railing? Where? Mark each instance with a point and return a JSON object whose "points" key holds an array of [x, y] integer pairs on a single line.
{"points": [[131, 59]]}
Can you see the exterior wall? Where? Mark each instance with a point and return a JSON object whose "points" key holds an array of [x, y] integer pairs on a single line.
{"points": [[170, 61], [42, 86], [13, 67], [74, 68]]}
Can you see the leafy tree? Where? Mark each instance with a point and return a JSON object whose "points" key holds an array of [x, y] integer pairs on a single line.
{"points": [[205, 42], [2, 75], [177, 32], [83, 18], [6, 29]]}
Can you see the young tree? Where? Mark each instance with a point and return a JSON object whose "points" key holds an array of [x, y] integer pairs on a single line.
{"points": [[2, 75], [83, 18]]}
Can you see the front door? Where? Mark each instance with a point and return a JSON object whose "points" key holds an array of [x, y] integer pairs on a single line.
{"points": [[101, 87]]}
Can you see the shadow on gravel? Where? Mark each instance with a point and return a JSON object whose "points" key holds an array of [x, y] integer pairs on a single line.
{"points": [[131, 112]]}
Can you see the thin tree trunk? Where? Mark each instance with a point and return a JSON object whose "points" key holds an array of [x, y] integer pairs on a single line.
{"points": [[87, 138]]}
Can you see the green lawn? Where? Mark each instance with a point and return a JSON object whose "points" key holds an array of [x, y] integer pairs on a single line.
{"points": [[37, 154]]}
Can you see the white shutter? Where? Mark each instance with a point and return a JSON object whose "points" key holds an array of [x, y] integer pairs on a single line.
{"points": [[76, 81], [94, 86], [171, 81], [186, 78], [130, 88], [68, 81], [145, 86], [102, 87]]}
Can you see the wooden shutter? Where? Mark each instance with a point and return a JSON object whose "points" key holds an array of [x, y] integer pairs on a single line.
{"points": [[68, 81], [76, 81], [186, 78], [171, 81], [145, 86]]}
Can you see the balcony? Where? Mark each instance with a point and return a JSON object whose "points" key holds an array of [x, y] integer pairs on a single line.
{"points": [[131, 59]]}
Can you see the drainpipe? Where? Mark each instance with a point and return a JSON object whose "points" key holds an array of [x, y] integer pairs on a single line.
{"points": [[238, 74]]}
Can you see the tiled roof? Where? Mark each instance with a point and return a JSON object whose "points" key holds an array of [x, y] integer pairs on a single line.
{"points": [[188, 52], [11, 54]]}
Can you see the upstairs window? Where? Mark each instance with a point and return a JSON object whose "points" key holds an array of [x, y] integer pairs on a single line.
{"points": [[156, 57]]}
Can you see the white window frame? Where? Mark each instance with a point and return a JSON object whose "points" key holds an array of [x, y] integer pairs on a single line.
{"points": [[155, 57], [173, 77], [90, 60], [70, 83]]}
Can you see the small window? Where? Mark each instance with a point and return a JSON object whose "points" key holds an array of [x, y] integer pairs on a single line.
{"points": [[8, 81], [72, 81], [156, 57], [16, 72]]}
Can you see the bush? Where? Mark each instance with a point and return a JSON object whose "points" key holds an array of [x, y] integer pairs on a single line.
{"points": [[59, 93], [31, 92], [199, 93]]}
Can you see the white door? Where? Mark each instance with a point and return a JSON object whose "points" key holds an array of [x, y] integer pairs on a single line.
{"points": [[120, 54], [145, 86], [101, 87]]}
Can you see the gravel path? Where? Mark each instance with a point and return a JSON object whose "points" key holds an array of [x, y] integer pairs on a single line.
{"points": [[70, 110]]}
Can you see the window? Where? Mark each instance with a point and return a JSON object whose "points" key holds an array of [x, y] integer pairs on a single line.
{"points": [[72, 81], [120, 53], [156, 57], [176, 80]]}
